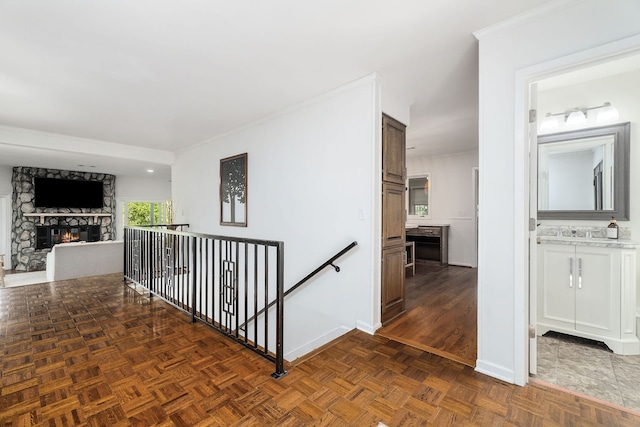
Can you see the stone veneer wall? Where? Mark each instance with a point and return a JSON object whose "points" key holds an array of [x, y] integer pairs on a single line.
{"points": [[24, 255]]}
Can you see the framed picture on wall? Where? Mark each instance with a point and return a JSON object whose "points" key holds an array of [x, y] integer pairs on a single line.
{"points": [[233, 190]]}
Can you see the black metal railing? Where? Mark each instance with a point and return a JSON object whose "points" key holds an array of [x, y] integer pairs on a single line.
{"points": [[221, 281], [231, 284]]}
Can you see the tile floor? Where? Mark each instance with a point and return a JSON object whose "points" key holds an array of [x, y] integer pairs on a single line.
{"points": [[590, 368]]}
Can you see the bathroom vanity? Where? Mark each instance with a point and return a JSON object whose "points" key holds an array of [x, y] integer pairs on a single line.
{"points": [[587, 288]]}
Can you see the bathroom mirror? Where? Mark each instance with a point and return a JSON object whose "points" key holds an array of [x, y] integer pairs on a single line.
{"points": [[584, 174]]}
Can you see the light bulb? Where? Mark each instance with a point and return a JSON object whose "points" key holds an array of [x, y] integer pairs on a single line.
{"points": [[607, 113], [576, 118], [549, 122]]}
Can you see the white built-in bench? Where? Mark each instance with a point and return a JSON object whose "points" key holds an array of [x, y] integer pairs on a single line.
{"points": [[84, 259]]}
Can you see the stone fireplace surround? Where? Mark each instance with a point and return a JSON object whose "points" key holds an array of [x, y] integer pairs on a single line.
{"points": [[24, 255]]}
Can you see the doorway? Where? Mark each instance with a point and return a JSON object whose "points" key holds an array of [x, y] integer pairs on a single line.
{"points": [[565, 360], [441, 300]]}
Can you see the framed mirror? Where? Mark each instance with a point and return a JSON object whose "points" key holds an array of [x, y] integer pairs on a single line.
{"points": [[418, 196], [584, 174]]}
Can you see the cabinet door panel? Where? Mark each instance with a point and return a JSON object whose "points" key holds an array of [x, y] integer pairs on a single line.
{"points": [[556, 302], [393, 151], [393, 272], [598, 292], [393, 224]]}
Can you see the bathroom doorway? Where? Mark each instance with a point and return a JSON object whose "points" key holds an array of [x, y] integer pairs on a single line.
{"points": [[564, 360]]}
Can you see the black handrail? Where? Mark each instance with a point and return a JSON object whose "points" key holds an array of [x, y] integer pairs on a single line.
{"points": [[329, 262]]}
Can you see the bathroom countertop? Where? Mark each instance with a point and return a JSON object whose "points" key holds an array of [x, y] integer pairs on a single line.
{"points": [[594, 241]]}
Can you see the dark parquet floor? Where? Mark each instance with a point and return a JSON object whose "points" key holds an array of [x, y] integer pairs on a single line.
{"points": [[93, 352]]}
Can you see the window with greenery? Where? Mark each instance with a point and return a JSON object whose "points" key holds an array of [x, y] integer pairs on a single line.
{"points": [[147, 213]]}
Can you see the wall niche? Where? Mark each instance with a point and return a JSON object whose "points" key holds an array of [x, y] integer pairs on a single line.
{"points": [[24, 255]]}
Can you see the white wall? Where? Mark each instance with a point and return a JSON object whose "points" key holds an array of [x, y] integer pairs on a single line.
{"points": [[508, 55], [5, 180], [310, 184], [132, 188], [5, 213], [452, 191]]}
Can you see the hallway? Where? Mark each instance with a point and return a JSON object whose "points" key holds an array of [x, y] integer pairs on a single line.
{"points": [[441, 314]]}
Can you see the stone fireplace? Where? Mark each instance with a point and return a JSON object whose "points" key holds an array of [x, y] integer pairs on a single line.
{"points": [[31, 229]]}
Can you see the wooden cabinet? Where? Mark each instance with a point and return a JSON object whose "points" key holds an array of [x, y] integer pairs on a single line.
{"points": [[589, 292], [393, 219]]}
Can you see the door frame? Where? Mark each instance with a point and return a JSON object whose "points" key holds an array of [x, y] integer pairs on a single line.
{"points": [[475, 171], [6, 217], [523, 78]]}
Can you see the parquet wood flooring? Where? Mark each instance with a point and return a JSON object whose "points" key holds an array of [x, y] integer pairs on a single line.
{"points": [[92, 352], [441, 312]]}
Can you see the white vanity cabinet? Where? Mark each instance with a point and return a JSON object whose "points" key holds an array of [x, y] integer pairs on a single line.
{"points": [[589, 291]]}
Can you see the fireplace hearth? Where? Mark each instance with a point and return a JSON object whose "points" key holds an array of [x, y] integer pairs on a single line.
{"points": [[49, 235]]}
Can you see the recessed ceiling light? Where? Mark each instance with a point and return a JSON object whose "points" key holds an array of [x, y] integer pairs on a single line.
{"points": [[150, 170]]}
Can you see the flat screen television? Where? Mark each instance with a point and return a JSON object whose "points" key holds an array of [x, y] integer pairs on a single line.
{"points": [[67, 193]]}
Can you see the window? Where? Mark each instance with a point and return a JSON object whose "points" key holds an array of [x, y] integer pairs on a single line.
{"points": [[146, 213], [418, 188]]}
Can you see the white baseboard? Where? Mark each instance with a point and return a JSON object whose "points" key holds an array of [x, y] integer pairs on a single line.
{"points": [[366, 327], [316, 343], [495, 371], [461, 264]]}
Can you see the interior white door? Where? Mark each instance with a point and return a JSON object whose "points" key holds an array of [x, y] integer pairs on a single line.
{"points": [[533, 232]]}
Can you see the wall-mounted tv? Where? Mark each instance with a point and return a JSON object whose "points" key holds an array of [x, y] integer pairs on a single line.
{"points": [[67, 193]]}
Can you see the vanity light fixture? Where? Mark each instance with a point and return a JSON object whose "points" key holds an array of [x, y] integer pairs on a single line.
{"points": [[578, 116]]}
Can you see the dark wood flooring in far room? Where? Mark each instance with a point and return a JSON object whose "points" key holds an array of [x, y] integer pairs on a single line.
{"points": [[441, 312], [92, 352]]}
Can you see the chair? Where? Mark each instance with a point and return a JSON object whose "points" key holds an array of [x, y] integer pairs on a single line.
{"points": [[410, 257], [2, 270]]}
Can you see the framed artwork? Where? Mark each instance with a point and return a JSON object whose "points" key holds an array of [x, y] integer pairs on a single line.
{"points": [[233, 190]]}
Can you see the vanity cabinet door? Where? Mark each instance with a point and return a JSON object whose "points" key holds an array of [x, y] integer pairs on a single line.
{"points": [[598, 291], [557, 277]]}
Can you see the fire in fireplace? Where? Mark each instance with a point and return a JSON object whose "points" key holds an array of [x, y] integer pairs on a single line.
{"points": [[68, 236]]}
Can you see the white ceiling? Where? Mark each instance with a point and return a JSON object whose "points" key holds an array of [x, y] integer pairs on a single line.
{"points": [[167, 74]]}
